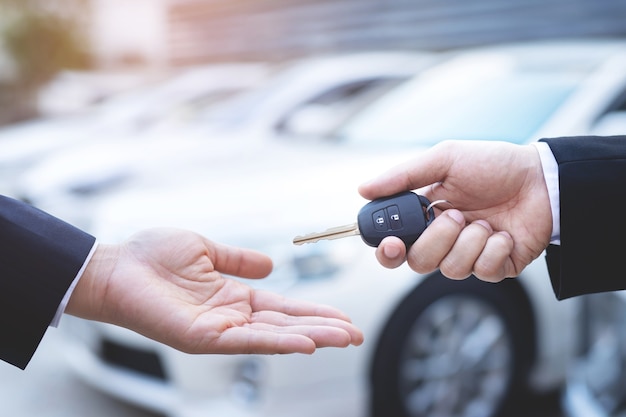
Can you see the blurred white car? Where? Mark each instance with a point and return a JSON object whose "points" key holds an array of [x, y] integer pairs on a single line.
{"points": [[434, 347], [72, 91], [67, 182], [121, 117]]}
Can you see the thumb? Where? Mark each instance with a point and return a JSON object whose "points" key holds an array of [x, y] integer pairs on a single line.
{"points": [[240, 262], [427, 168]]}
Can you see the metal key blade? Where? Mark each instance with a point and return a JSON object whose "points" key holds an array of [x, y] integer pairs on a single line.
{"points": [[329, 234]]}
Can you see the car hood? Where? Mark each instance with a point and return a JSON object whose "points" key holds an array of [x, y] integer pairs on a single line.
{"points": [[105, 160], [257, 194]]}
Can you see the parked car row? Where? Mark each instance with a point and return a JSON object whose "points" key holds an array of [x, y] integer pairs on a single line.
{"points": [[129, 115], [285, 159], [341, 83]]}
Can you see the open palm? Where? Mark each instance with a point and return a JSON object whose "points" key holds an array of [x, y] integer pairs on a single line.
{"points": [[168, 285]]}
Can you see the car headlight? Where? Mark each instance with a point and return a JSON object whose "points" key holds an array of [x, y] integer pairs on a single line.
{"points": [[322, 260]]}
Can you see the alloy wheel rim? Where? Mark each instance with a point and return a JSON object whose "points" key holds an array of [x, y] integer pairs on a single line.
{"points": [[457, 360]]}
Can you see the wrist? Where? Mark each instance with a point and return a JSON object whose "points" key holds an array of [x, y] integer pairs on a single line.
{"points": [[550, 172], [88, 298]]}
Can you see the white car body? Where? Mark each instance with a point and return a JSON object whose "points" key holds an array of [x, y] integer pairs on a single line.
{"points": [[61, 182], [263, 196]]}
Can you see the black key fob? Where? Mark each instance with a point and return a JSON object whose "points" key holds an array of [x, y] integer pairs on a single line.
{"points": [[405, 215]]}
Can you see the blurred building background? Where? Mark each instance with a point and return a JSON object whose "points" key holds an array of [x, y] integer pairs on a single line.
{"points": [[116, 35], [181, 32], [200, 30]]}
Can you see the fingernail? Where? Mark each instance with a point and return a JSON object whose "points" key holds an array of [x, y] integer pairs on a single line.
{"points": [[391, 251], [457, 216], [484, 224], [505, 234]]}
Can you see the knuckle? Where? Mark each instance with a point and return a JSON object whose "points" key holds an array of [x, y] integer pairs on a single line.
{"points": [[419, 263], [454, 270], [487, 273], [490, 265], [480, 228]]}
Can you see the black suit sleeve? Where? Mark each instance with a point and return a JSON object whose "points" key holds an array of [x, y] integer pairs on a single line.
{"points": [[592, 193], [40, 256]]}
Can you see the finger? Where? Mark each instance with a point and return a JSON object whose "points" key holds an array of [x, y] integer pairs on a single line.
{"points": [[263, 338], [269, 301], [322, 336], [494, 263], [391, 253], [437, 240], [459, 262], [245, 340], [279, 320], [245, 263], [427, 168]]}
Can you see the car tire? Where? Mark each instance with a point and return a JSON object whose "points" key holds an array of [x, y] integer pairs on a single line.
{"points": [[454, 348]]}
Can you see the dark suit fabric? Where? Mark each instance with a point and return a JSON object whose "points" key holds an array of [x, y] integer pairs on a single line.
{"points": [[40, 256], [592, 189]]}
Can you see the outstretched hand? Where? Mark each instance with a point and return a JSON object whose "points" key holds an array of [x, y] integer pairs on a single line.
{"points": [[168, 285], [501, 219]]}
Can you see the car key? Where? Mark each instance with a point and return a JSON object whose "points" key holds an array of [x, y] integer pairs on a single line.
{"points": [[405, 215]]}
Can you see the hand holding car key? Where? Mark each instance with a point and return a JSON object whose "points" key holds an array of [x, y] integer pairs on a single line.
{"points": [[405, 215]]}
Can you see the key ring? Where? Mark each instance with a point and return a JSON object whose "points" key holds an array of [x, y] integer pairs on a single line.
{"points": [[433, 204]]}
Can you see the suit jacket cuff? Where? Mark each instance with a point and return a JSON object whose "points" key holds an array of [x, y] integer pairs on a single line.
{"points": [[592, 203], [40, 256]]}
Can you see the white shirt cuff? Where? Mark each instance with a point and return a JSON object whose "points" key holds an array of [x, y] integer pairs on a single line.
{"points": [[57, 317], [551, 175]]}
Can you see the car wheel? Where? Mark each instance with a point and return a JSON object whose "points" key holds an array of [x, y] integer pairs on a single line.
{"points": [[454, 348]]}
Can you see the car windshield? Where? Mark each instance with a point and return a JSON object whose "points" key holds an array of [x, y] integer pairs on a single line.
{"points": [[503, 105]]}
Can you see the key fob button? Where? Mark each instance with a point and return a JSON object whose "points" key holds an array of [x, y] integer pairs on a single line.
{"points": [[394, 217], [380, 220], [401, 215]]}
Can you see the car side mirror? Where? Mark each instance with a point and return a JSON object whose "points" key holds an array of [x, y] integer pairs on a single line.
{"points": [[613, 123], [312, 121]]}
